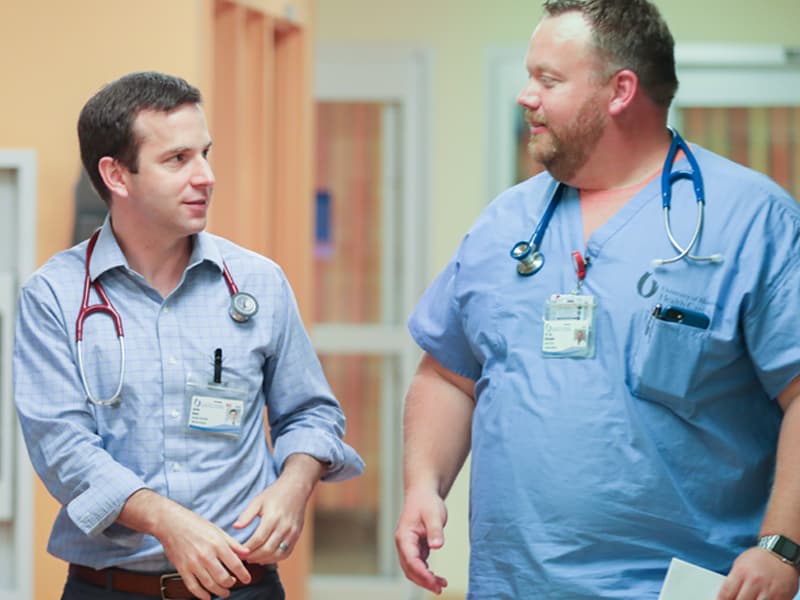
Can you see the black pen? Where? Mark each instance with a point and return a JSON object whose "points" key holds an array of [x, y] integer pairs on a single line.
{"points": [[218, 365]]}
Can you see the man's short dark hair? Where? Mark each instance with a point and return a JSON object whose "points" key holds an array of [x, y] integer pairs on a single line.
{"points": [[629, 34], [105, 125]]}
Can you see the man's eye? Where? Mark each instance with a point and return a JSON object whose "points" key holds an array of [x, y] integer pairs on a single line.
{"points": [[547, 81]]}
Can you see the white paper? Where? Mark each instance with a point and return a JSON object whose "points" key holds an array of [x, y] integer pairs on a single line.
{"points": [[685, 581]]}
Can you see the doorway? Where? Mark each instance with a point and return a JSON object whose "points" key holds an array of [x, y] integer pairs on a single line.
{"points": [[371, 190]]}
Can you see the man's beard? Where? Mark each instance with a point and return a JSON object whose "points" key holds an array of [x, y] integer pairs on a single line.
{"points": [[569, 148]]}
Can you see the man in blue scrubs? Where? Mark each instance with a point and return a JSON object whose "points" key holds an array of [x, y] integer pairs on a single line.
{"points": [[622, 408]]}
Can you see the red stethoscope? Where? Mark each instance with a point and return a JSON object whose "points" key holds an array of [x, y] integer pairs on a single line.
{"points": [[242, 307]]}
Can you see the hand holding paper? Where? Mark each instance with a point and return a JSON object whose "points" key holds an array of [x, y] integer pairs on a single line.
{"points": [[685, 581]]}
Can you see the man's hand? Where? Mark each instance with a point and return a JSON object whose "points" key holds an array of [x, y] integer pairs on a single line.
{"points": [[281, 510], [756, 575], [420, 529], [281, 516], [207, 559], [436, 440]]}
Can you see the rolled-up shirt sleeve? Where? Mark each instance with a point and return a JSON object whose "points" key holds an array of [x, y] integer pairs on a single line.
{"points": [[304, 416], [57, 421]]}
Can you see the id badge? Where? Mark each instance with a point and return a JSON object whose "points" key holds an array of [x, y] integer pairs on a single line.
{"points": [[215, 408], [569, 326]]}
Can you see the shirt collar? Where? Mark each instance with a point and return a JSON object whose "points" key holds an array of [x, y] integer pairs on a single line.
{"points": [[107, 254], [204, 248]]}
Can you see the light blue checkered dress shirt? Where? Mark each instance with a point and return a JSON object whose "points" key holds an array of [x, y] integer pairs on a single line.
{"points": [[92, 458]]}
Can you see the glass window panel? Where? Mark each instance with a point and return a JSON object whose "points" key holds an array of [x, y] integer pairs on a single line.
{"points": [[354, 213], [766, 139], [358, 270]]}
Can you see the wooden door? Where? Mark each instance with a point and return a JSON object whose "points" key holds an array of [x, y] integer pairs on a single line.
{"points": [[260, 108]]}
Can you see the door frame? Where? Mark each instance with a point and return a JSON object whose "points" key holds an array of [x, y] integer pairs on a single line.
{"points": [[16, 479], [400, 75]]}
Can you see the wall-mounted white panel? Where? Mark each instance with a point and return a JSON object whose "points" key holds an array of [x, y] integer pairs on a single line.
{"points": [[17, 260]]}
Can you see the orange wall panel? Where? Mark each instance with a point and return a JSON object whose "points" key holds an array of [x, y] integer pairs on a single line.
{"points": [[54, 56], [57, 54]]}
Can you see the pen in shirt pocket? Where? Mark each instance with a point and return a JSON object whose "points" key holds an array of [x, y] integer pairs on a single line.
{"points": [[682, 316], [218, 365]]}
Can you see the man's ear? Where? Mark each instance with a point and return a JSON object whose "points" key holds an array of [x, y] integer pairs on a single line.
{"points": [[113, 174], [624, 84]]}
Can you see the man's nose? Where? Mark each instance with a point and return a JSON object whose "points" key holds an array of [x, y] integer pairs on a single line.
{"points": [[528, 96], [203, 175]]}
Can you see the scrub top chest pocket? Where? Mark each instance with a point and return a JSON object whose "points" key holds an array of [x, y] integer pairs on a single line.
{"points": [[664, 353]]}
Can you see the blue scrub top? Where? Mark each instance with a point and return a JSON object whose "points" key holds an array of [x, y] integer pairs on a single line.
{"points": [[588, 475]]}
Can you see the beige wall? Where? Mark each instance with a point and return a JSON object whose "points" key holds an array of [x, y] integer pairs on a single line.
{"points": [[459, 33], [53, 56]]}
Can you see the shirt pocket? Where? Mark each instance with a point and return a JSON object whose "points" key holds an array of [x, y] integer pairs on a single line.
{"points": [[663, 363]]}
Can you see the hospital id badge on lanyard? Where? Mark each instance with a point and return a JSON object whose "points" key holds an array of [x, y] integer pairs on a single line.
{"points": [[569, 322]]}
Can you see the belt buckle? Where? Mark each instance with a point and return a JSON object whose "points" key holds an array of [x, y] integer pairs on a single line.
{"points": [[163, 583]]}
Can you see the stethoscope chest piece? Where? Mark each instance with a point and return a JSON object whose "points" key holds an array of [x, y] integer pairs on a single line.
{"points": [[528, 255], [530, 261], [242, 307]]}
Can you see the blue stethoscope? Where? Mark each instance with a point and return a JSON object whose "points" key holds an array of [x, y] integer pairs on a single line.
{"points": [[528, 253], [242, 307]]}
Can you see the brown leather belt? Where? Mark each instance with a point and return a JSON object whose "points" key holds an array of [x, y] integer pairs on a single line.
{"points": [[168, 585]]}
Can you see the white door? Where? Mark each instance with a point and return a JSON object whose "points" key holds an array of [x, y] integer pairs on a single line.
{"points": [[17, 259], [371, 158]]}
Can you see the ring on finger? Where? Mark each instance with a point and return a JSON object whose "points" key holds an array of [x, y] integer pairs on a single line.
{"points": [[283, 547]]}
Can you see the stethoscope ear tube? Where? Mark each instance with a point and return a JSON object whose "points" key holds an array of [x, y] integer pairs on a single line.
{"points": [[668, 178], [115, 398], [105, 307]]}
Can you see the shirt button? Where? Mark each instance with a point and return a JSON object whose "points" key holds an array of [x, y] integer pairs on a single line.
{"points": [[173, 360], [166, 309], [175, 413], [176, 466]]}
